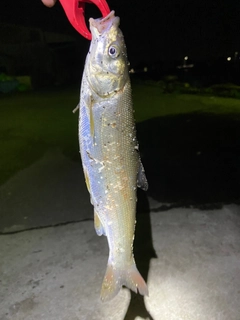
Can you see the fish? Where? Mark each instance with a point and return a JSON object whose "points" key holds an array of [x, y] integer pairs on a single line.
{"points": [[110, 153]]}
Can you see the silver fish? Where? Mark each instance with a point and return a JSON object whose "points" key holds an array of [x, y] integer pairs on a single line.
{"points": [[109, 152]]}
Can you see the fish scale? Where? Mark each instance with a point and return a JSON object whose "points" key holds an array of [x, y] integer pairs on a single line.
{"points": [[109, 152]]}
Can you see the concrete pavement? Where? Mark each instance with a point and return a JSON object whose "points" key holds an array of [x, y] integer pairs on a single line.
{"points": [[190, 258], [49, 192]]}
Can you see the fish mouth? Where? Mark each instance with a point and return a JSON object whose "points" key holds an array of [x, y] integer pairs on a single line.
{"points": [[102, 25]]}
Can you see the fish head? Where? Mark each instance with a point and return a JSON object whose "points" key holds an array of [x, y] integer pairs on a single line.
{"points": [[107, 63]]}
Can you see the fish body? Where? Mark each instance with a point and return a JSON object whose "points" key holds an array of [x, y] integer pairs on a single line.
{"points": [[109, 152]]}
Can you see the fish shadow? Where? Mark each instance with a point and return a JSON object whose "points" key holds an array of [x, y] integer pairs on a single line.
{"points": [[192, 159], [143, 253]]}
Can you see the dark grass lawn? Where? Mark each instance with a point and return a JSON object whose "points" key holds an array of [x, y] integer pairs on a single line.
{"points": [[182, 137], [32, 123]]}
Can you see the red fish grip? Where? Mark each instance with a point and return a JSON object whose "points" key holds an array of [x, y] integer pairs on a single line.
{"points": [[75, 10]]}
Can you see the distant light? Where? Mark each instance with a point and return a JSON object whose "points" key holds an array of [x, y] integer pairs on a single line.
{"points": [[185, 66], [229, 58], [186, 58], [145, 69]]}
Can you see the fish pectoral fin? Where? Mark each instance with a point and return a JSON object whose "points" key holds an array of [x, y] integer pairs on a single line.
{"points": [[141, 178], [91, 120], [76, 108], [91, 117], [89, 102], [98, 225]]}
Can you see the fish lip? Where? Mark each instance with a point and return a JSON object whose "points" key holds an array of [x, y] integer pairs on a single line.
{"points": [[102, 25]]}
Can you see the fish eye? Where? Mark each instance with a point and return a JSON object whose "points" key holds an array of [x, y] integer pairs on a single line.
{"points": [[113, 51]]}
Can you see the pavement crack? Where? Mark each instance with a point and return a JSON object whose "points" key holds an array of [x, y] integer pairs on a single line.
{"points": [[44, 227]]}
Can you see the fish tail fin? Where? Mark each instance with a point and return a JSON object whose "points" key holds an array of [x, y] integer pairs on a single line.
{"points": [[111, 283], [134, 281], [114, 280]]}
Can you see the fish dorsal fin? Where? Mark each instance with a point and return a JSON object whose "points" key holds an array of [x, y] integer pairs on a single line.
{"points": [[98, 225], [141, 178]]}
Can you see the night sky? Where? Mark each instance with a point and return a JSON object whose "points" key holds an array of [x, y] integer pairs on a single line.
{"points": [[159, 30]]}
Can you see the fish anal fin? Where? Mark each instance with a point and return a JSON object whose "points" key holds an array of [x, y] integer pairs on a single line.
{"points": [[98, 225], [141, 178], [87, 180], [88, 184], [114, 280]]}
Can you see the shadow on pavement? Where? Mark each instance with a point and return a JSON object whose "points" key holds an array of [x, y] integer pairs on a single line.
{"points": [[192, 159], [143, 253]]}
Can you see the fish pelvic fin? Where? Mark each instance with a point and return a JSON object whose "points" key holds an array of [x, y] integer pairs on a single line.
{"points": [[114, 280], [141, 178]]}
